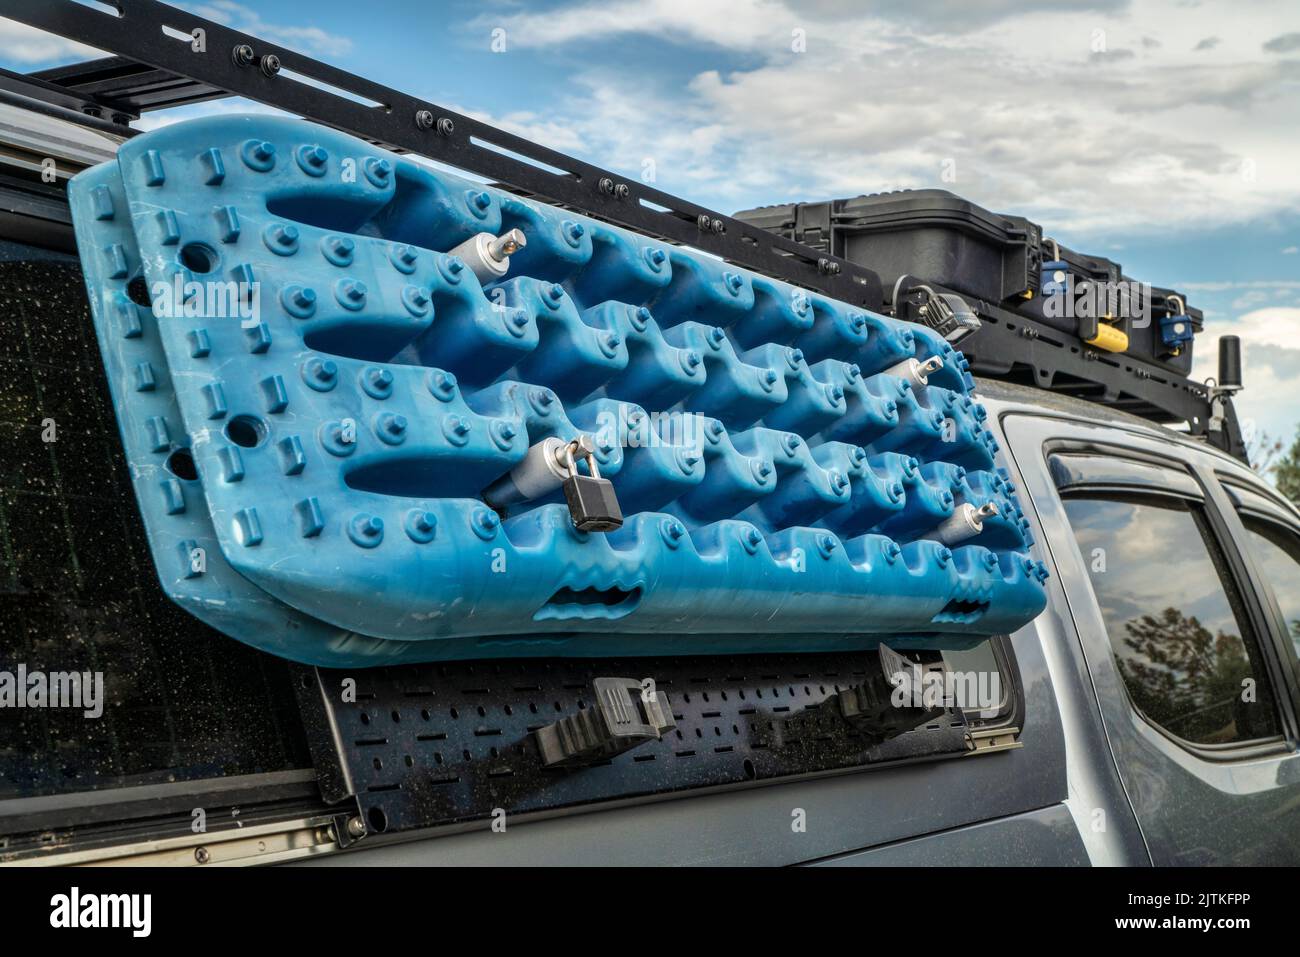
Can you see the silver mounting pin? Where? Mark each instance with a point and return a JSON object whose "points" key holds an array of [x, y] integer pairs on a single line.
{"points": [[915, 371], [488, 256], [964, 523]]}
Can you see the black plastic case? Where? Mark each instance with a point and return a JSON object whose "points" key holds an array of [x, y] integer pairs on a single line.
{"points": [[995, 259]]}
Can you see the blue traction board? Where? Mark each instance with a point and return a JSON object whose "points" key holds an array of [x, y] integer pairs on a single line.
{"points": [[312, 394]]}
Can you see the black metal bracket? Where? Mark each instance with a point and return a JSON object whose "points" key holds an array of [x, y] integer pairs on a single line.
{"points": [[1014, 348], [870, 705], [627, 713]]}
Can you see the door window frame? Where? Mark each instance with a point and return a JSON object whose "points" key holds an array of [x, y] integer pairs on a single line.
{"points": [[1127, 468]]}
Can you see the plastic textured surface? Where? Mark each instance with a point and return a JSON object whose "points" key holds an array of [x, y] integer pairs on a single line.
{"points": [[319, 393]]}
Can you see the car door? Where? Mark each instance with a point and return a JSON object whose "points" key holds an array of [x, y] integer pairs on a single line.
{"points": [[1187, 645]]}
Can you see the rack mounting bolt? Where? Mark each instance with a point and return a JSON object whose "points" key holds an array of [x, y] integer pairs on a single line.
{"points": [[243, 55], [445, 126], [270, 64], [424, 119], [356, 827]]}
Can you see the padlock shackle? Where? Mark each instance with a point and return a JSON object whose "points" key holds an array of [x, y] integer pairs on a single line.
{"points": [[580, 447]]}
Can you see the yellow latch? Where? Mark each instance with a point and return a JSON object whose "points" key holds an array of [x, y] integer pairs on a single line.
{"points": [[1109, 338]]}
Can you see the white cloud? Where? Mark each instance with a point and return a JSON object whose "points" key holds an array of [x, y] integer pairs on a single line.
{"points": [[884, 97], [24, 44], [1270, 340], [736, 24], [307, 39], [1291, 250]]}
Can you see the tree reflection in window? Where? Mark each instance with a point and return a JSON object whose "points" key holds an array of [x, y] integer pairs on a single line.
{"points": [[1175, 627]]}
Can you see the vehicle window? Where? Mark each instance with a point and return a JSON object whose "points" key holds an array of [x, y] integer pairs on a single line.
{"points": [[1278, 552], [1175, 623], [78, 590]]}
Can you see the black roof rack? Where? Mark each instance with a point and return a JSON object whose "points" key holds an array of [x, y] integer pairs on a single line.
{"points": [[166, 57]]}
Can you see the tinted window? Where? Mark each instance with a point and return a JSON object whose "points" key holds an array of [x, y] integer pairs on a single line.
{"points": [[1176, 627], [1278, 553], [78, 590]]}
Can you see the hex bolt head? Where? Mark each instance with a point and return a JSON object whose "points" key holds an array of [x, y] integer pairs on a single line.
{"points": [[258, 155], [339, 250], [366, 531], [391, 427], [421, 526], [281, 238], [541, 400], [485, 523], [312, 158], [573, 233], [377, 383], [350, 293], [672, 531], [443, 385], [456, 429], [299, 301], [503, 433], [321, 374]]}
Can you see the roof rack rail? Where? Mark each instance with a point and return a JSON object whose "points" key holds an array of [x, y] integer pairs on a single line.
{"points": [[166, 57]]}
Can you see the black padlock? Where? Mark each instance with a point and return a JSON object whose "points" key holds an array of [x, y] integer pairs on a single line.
{"points": [[592, 501]]}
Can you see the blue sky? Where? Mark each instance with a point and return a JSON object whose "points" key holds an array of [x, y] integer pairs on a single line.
{"points": [[1163, 134]]}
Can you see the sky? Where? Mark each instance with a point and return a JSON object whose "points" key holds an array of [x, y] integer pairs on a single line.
{"points": [[1163, 134]]}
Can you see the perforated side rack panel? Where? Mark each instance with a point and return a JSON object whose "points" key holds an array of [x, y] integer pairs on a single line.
{"points": [[357, 386], [440, 744]]}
